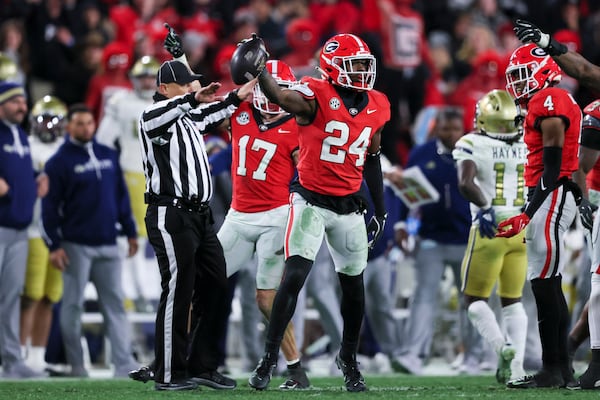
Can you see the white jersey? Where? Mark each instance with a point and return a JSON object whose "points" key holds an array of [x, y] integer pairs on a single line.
{"points": [[119, 127], [40, 153], [500, 168]]}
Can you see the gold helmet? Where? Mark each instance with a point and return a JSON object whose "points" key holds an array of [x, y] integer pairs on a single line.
{"points": [[8, 69], [497, 116], [47, 119], [146, 66]]}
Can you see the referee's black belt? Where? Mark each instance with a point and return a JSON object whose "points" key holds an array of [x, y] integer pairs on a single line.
{"points": [[186, 204]]}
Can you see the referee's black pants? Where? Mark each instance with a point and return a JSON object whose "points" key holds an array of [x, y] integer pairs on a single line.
{"points": [[192, 269]]}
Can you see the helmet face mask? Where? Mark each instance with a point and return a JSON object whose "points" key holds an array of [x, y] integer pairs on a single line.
{"points": [[47, 119], [497, 116], [348, 62], [284, 76], [530, 69]]}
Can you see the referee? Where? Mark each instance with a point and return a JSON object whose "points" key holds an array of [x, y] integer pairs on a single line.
{"points": [[180, 226]]}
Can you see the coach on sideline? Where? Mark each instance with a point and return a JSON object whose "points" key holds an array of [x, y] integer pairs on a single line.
{"points": [[180, 226]]}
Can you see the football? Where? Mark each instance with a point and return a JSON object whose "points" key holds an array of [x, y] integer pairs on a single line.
{"points": [[248, 60]]}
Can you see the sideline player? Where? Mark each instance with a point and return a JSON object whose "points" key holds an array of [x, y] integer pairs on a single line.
{"points": [[43, 283], [490, 173]]}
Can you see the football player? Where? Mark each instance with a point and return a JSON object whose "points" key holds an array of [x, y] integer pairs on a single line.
{"points": [[551, 131], [264, 140], [589, 167], [118, 129], [340, 118], [490, 173], [43, 282]]}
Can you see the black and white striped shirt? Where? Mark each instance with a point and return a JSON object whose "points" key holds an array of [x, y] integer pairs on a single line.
{"points": [[173, 151]]}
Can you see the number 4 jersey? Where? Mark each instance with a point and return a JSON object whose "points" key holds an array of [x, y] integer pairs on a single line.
{"points": [[500, 168], [333, 147], [551, 102], [262, 164]]}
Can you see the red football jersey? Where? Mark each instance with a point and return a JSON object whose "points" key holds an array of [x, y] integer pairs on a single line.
{"points": [[593, 177], [551, 102], [262, 165], [334, 146]]}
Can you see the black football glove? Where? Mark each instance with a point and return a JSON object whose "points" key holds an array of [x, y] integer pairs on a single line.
{"points": [[173, 42], [487, 222], [529, 33], [375, 229], [586, 213], [248, 60]]}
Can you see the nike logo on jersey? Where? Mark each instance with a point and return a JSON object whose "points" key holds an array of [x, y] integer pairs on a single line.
{"points": [[369, 111], [542, 186], [283, 131]]}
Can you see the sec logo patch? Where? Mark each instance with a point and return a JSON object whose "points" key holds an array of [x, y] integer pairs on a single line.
{"points": [[243, 118]]}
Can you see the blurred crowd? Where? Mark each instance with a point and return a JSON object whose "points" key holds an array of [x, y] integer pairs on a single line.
{"points": [[429, 53]]}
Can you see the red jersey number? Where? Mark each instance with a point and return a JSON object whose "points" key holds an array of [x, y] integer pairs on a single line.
{"points": [[332, 149], [269, 149]]}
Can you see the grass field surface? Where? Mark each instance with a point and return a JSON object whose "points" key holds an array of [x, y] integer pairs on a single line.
{"points": [[390, 387]]}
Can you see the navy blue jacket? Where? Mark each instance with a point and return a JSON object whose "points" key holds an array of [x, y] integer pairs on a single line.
{"points": [[86, 199], [16, 207], [448, 221]]}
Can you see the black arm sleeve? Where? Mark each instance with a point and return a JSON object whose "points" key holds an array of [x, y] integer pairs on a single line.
{"points": [[374, 178], [552, 158]]}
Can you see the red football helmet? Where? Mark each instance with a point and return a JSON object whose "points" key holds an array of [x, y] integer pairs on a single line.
{"points": [[591, 117], [530, 69], [284, 76], [348, 62]]}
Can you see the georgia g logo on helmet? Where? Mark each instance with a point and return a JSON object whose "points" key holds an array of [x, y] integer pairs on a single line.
{"points": [[538, 52], [330, 47]]}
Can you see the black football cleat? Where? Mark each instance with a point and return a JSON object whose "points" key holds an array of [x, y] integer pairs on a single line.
{"points": [[261, 376], [352, 377], [543, 379], [297, 379], [590, 379], [143, 374]]}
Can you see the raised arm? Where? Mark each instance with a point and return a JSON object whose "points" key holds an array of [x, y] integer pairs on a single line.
{"points": [[574, 64], [290, 100]]}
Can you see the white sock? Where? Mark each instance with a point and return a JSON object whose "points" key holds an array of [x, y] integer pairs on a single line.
{"points": [[36, 357], [292, 362], [484, 320], [515, 322], [594, 312]]}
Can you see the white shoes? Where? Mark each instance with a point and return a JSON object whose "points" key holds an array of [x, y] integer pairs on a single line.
{"points": [[407, 363], [505, 357], [21, 371]]}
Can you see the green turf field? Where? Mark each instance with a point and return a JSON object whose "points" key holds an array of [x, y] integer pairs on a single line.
{"points": [[388, 387]]}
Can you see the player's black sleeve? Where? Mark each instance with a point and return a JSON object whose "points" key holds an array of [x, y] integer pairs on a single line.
{"points": [[552, 158], [374, 178]]}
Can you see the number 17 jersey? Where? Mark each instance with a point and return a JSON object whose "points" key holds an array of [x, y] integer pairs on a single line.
{"points": [[262, 165]]}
